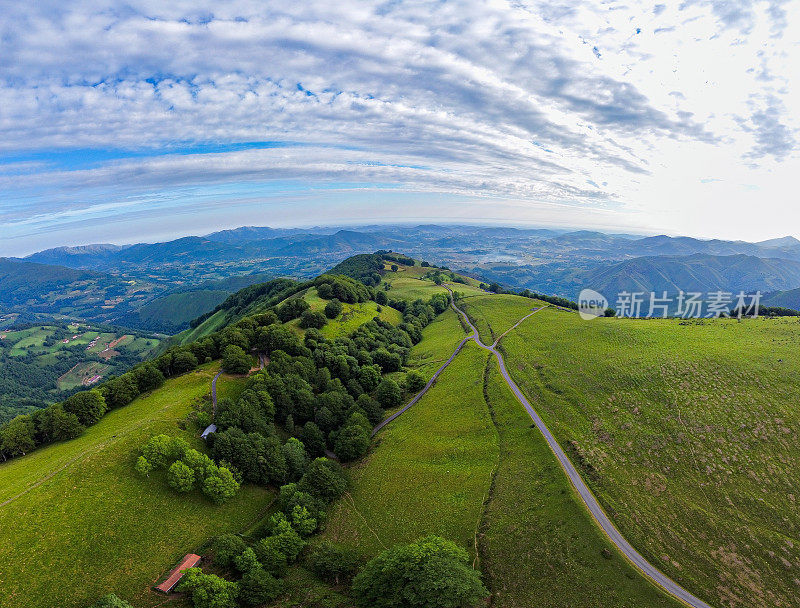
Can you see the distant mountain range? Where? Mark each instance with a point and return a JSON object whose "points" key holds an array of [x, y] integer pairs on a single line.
{"points": [[156, 286]]}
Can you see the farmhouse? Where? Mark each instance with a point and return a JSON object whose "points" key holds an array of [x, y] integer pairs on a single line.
{"points": [[176, 574]]}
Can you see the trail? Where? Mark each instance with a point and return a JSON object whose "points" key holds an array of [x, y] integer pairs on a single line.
{"points": [[214, 392], [586, 495]]}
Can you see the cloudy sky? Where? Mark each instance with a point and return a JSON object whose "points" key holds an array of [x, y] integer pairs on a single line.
{"points": [[123, 122]]}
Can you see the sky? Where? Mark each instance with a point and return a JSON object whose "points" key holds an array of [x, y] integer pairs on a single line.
{"points": [[146, 120]]}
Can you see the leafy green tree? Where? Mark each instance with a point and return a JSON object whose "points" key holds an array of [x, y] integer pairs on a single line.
{"points": [[429, 572], [56, 424], [209, 590], [246, 561], [294, 452], [88, 406], [313, 440], [143, 466], [120, 391], [272, 559], [221, 486], [16, 437], [388, 394], [371, 408], [352, 442], [292, 309], [381, 297], [183, 361], [333, 309], [415, 381], [235, 360], [159, 451], [334, 564], [302, 521], [111, 601], [180, 477], [313, 320], [388, 362], [284, 538], [226, 548], [323, 479], [259, 587], [148, 377]]}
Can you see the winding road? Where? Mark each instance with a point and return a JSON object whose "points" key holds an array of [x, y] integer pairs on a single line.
{"points": [[588, 498]]}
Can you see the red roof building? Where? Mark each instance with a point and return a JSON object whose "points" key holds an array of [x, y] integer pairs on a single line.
{"points": [[176, 574]]}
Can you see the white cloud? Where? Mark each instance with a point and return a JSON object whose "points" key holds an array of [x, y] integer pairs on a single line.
{"points": [[530, 101]]}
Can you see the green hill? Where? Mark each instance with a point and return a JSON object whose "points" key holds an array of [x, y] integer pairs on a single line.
{"points": [[683, 429], [76, 521]]}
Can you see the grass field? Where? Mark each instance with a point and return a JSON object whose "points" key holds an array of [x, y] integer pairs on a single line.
{"points": [[76, 522], [81, 373], [687, 432], [539, 545], [352, 315], [439, 340], [495, 314], [429, 471]]}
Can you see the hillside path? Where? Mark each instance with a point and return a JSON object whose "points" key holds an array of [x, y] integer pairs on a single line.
{"points": [[214, 392], [588, 498]]}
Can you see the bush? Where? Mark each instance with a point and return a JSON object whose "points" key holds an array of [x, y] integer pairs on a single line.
{"points": [[220, 486], [352, 442], [312, 320], [180, 477], [323, 479], [226, 548], [333, 309], [292, 309], [258, 587], [429, 572], [235, 360], [246, 561], [333, 564], [183, 362], [209, 590], [111, 601], [415, 381], [143, 466], [389, 394]]}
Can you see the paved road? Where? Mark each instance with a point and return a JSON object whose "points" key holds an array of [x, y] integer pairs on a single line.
{"points": [[419, 395], [599, 515], [214, 391]]}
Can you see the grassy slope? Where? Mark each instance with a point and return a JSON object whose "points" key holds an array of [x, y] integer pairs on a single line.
{"points": [[351, 317], [493, 314], [439, 340], [539, 545], [91, 525], [688, 435], [406, 284], [430, 471]]}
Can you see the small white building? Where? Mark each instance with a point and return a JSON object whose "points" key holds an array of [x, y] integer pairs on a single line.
{"points": [[211, 428]]}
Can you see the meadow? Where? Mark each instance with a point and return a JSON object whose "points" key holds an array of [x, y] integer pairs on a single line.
{"points": [[351, 317], [495, 314], [539, 545], [687, 432], [76, 521], [428, 472]]}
